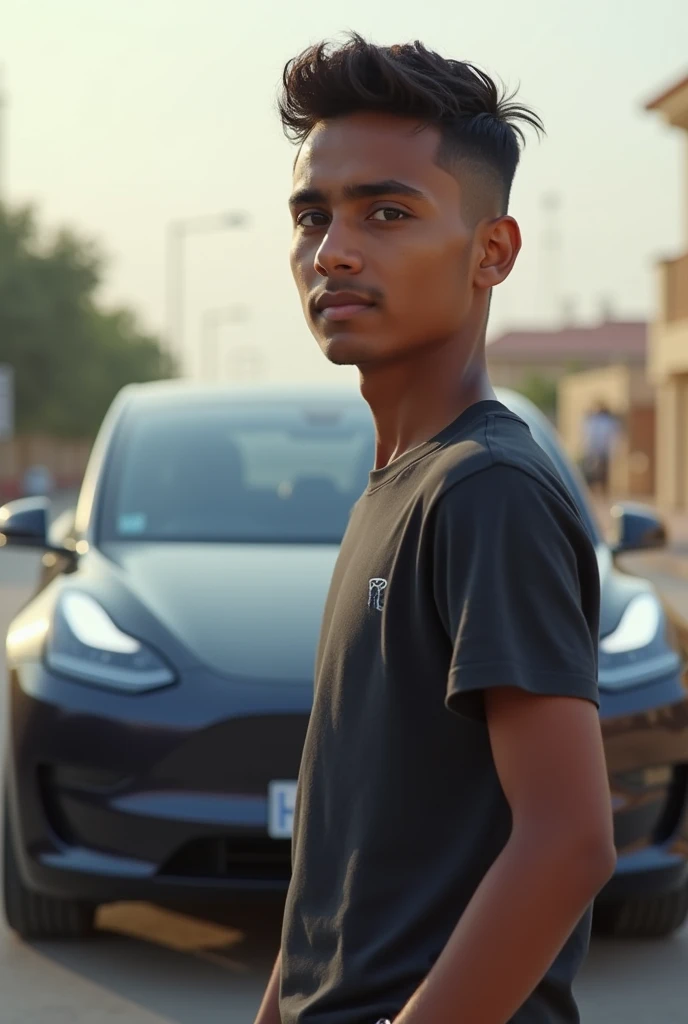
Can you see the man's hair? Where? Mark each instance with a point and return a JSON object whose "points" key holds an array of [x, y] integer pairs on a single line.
{"points": [[480, 125]]}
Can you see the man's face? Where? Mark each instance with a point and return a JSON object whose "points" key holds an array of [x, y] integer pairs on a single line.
{"points": [[379, 230]]}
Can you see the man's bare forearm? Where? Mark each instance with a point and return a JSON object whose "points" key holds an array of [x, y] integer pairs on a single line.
{"points": [[517, 922], [269, 1009]]}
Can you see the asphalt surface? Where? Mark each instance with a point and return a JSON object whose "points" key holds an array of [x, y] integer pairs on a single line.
{"points": [[151, 966]]}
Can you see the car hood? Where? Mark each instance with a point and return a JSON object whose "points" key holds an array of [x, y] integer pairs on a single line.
{"points": [[247, 610], [254, 610]]}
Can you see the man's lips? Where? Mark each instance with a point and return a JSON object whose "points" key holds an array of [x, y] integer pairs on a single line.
{"points": [[345, 312], [342, 305]]}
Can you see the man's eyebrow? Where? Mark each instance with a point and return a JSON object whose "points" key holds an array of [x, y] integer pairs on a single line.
{"points": [[389, 187], [366, 190], [302, 196]]}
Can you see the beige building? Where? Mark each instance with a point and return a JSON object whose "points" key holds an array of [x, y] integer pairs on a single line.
{"points": [[626, 391], [606, 362], [668, 341], [515, 357]]}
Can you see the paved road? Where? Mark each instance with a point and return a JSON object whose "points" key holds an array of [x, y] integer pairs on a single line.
{"points": [[149, 966]]}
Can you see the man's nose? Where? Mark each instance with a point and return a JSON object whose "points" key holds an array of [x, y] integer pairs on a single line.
{"points": [[337, 253]]}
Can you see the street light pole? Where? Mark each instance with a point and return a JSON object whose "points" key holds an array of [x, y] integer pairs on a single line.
{"points": [[174, 287], [245, 363], [212, 319], [175, 276], [4, 103]]}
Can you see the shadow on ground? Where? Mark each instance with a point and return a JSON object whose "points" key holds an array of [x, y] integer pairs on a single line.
{"points": [[150, 965]]}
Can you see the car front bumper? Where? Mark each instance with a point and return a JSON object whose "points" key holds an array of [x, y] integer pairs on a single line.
{"points": [[163, 796], [155, 796], [645, 734]]}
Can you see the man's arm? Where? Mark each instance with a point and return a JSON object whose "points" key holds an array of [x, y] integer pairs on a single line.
{"points": [[269, 1008], [549, 756]]}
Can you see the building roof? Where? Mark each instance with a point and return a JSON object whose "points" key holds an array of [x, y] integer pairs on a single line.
{"points": [[613, 341], [668, 93], [672, 104]]}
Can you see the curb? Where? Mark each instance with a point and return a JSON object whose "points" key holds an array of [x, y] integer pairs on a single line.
{"points": [[667, 562]]}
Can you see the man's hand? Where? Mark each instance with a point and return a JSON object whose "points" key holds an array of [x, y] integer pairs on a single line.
{"points": [[269, 1008], [549, 756]]}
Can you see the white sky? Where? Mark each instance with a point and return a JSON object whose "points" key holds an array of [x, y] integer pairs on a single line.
{"points": [[125, 114]]}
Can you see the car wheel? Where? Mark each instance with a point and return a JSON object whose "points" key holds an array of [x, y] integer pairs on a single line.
{"points": [[34, 916], [650, 917]]}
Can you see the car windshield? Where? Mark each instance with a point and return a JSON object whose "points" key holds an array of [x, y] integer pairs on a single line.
{"points": [[238, 472], [258, 472]]}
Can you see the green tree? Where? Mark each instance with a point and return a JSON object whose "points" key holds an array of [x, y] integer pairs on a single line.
{"points": [[542, 392], [70, 355]]}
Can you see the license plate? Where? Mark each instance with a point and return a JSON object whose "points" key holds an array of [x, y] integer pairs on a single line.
{"points": [[281, 802]]}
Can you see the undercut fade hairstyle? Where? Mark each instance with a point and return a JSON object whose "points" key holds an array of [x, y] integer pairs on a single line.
{"points": [[481, 125]]}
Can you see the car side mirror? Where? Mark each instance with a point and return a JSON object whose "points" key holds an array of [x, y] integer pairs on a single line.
{"points": [[637, 528], [24, 523]]}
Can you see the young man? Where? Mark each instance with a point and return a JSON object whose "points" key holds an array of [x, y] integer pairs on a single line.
{"points": [[453, 819]]}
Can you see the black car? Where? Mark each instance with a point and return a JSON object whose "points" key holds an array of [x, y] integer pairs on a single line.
{"points": [[160, 680]]}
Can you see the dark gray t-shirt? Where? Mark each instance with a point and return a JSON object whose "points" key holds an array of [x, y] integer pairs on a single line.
{"points": [[465, 565]]}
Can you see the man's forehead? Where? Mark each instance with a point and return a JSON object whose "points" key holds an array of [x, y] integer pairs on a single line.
{"points": [[365, 147]]}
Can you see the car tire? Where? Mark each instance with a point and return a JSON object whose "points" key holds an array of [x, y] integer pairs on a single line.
{"points": [[649, 917], [33, 916]]}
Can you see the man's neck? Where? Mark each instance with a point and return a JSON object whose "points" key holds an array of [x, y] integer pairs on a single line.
{"points": [[412, 402]]}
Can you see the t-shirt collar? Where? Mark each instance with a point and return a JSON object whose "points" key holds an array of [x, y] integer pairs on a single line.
{"points": [[473, 412]]}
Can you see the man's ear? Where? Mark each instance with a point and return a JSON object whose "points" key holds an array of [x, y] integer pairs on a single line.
{"points": [[501, 244]]}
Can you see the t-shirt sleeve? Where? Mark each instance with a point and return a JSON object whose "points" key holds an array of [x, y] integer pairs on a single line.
{"points": [[517, 588]]}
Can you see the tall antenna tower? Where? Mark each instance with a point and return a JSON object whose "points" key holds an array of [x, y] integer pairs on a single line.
{"points": [[551, 256]]}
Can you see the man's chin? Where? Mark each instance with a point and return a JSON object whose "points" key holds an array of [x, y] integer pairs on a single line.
{"points": [[343, 351], [349, 349]]}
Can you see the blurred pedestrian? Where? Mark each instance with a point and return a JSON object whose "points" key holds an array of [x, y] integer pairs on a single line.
{"points": [[37, 482], [453, 818], [601, 430]]}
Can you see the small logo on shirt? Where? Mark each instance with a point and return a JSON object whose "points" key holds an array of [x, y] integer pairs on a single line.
{"points": [[376, 593]]}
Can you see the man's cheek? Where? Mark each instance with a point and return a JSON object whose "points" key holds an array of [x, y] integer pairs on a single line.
{"points": [[299, 268]]}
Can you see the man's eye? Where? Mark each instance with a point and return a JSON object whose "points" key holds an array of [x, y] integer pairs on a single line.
{"points": [[388, 213], [311, 219]]}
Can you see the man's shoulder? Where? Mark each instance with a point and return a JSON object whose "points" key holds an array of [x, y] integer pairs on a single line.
{"points": [[499, 464], [501, 445]]}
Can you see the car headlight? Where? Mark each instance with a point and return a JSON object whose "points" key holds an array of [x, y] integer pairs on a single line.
{"points": [[638, 627], [85, 644], [639, 651]]}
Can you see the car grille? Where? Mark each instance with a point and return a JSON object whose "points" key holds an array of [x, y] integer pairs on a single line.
{"points": [[649, 805], [258, 859], [240, 755]]}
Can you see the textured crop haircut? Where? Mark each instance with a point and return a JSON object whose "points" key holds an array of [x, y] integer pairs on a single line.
{"points": [[480, 125]]}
